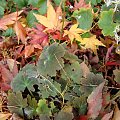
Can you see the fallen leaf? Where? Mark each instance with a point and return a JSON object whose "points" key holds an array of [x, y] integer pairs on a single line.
{"points": [[116, 72], [91, 43], [20, 32], [95, 101], [29, 49], [116, 115], [84, 69], [38, 36], [4, 116], [74, 33], [53, 19], [81, 4], [107, 116], [9, 19]]}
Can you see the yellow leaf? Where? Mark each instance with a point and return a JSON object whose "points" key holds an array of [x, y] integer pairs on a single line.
{"points": [[4, 116], [74, 33], [53, 20], [92, 43]]}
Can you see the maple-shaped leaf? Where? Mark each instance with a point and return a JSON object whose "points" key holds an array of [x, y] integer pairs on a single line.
{"points": [[92, 43], [9, 19], [20, 32], [51, 59], [80, 4], [74, 33], [53, 19], [106, 22], [38, 36], [95, 101]]}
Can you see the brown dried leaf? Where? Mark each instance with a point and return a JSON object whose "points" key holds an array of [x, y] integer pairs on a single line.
{"points": [[9, 19], [20, 32], [29, 50]]}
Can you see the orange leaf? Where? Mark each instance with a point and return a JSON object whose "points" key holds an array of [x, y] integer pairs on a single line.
{"points": [[9, 19], [20, 32], [29, 50]]}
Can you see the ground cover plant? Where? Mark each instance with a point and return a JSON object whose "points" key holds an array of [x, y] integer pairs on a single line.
{"points": [[59, 59]]}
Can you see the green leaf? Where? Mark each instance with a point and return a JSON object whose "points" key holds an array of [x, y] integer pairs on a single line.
{"points": [[30, 111], [31, 19], [21, 3], [90, 83], [72, 71], [16, 103], [8, 32], [93, 2], [51, 60], [106, 22], [81, 104], [3, 3], [48, 87], [117, 17], [34, 3], [84, 18], [117, 75], [24, 79], [42, 6], [65, 114], [1, 11], [43, 108], [57, 2]]}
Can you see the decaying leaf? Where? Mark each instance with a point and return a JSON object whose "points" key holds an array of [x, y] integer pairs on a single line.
{"points": [[91, 43], [53, 19], [95, 101], [9, 19], [74, 33], [84, 69]]}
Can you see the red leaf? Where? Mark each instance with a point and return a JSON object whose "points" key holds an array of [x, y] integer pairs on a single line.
{"points": [[95, 101], [38, 36], [82, 117]]}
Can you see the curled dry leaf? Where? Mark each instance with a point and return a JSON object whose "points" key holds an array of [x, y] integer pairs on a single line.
{"points": [[9, 19], [95, 101]]}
